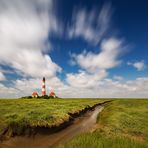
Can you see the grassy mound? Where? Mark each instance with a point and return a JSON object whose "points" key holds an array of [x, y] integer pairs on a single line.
{"points": [[18, 115], [122, 124]]}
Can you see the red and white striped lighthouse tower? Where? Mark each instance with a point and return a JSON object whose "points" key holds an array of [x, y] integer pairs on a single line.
{"points": [[43, 87]]}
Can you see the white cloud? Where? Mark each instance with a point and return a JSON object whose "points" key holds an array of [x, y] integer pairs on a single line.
{"points": [[7, 92], [94, 88], [84, 79], [91, 81], [106, 59], [2, 76], [112, 88], [118, 78], [92, 25], [24, 28], [140, 65], [34, 63]]}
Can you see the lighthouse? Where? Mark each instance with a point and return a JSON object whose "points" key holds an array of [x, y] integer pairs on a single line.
{"points": [[43, 87]]}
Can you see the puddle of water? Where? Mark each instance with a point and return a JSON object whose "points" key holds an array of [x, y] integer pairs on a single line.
{"points": [[82, 124]]}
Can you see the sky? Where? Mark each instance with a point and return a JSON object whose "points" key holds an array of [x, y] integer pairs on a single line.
{"points": [[84, 48]]}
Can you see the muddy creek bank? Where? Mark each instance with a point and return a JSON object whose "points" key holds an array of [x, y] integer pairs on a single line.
{"points": [[81, 124]]}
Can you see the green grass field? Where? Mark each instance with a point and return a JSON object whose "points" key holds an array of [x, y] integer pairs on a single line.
{"points": [[16, 114], [122, 124]]}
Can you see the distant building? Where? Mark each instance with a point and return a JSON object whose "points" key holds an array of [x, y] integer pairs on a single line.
{"points": [[52, 94], [35, 94]]}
